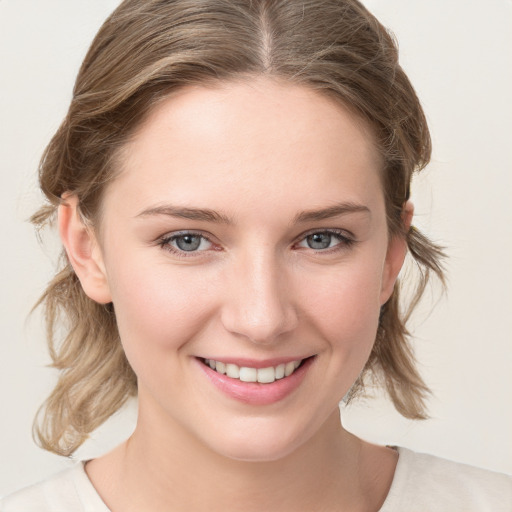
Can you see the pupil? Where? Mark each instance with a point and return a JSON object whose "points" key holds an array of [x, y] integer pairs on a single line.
{"points": [[319, 240], [188, 242]]}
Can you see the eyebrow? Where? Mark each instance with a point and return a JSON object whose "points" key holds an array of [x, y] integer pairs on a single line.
{"points": [[208, 215], [332, 211], [204, 214]]}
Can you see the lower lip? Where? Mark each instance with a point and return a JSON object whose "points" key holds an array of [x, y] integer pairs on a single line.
{"points": [[254, 393]]}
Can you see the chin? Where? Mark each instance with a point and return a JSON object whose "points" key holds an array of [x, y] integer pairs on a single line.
{"points": [[258, 444], [257, 452]]}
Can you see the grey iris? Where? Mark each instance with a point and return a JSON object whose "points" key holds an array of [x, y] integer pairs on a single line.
{"points": [[188, 242], [319, 240]]}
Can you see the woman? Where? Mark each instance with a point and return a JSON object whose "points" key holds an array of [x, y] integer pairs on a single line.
{"points": [[232, 186]]}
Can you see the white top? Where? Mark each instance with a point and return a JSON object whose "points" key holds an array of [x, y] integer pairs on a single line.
{"points": [[422, 483]]}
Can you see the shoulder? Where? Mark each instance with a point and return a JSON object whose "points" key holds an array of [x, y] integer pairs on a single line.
{"points": [[425, 482], [68, 491]]}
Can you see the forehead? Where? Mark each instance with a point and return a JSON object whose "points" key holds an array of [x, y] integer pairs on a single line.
{"points": [[261, 137]]}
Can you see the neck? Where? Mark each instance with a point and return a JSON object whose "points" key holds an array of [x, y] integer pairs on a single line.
{"points": [[167, 469]]}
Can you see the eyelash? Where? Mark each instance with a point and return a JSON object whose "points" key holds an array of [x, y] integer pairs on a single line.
{"points": [[165, 243], [345, 242]]}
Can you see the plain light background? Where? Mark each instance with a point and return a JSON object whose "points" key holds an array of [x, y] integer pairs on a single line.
{"points": [[458, 54]]}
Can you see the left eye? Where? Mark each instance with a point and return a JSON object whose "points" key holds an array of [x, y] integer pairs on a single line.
{"points": [[188, 242], [322, 240]]}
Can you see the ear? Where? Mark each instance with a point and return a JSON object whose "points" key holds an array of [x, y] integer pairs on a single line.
{"points": [[83, 250], [395, 256]]}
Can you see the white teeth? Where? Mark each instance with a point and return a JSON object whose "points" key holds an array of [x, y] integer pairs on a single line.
{"points": [[248, 374], [289, 369], [266, 375], [233, 371]]}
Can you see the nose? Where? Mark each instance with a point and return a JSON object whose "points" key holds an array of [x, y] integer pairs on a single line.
{"points": [[259, 304]]}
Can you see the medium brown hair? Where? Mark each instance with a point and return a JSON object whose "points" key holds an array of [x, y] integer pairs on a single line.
{"points": [[145, 50]]}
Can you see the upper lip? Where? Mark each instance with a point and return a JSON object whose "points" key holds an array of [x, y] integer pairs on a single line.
{"points": [[257, 363]]}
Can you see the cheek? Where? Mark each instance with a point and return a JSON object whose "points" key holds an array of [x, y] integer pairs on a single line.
{"points": [[157, 309], [345, 305]]}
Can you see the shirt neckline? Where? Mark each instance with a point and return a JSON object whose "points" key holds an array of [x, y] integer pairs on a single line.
{"points": [[93, 502]]}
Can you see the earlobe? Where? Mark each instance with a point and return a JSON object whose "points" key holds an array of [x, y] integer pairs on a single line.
{"points": [[83, 250], [395, 256]]}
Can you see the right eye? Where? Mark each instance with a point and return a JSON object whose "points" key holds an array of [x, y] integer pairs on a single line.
{"points": [[181, 243]]}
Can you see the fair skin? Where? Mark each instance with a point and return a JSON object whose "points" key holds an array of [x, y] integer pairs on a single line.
{"points": [[247, 226]]}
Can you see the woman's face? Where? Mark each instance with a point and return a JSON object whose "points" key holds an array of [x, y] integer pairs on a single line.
{"points": [[247, 227]]}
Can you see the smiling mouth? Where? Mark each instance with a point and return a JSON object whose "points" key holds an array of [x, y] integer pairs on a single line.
{"points": [[260, 375]]}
